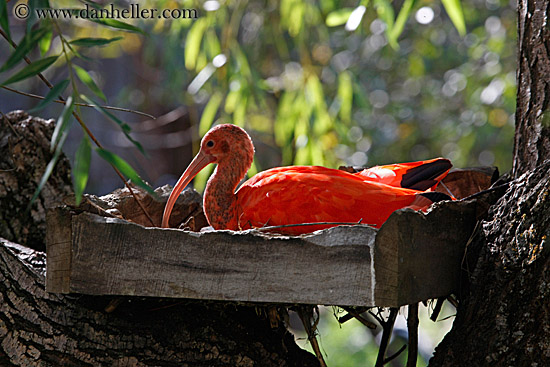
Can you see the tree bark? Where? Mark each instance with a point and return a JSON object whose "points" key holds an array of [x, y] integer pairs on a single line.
{"points": [[532, 138], [42, 329], [25, 153], [504, 316]]}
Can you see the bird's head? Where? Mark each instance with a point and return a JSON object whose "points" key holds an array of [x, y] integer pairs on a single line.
{"points": [[223, 144], [226, 142]]}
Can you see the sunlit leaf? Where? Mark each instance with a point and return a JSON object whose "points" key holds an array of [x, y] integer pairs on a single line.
{"points": [[31, 70], [124, 168], [209, 113], [402, 18], [454, 9], [338, 17], [56, 91], [62, 123], [212, 44], [25, 46], [345, 95], [85, 77], [91, 42], [45, 42], [123, 126], [81, 168], [193, 43], [232, 100], [385, 13]]}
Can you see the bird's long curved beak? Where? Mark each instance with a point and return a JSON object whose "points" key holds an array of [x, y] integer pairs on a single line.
{"points": [[200, 161]]}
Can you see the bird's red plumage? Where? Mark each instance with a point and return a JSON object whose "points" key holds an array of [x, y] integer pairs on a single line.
{"points": [[300, 194], [309, 194]]}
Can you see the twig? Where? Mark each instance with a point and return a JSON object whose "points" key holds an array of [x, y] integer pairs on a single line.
{"points": [[85, 128], [268, 228], [446, 188], [412, 326], [437, 309], [345, 318], [360, 318], [305, 314], [163, 120], [387, 327], [396, 354], [377, 317], [453, 301], [10, 124], [81, 104]]}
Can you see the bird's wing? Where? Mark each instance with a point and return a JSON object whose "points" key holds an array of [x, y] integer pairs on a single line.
{"points": [[421, 175], [298, 194]]}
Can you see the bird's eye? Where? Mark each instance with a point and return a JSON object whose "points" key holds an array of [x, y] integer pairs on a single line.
{"points": [[210, 143]]}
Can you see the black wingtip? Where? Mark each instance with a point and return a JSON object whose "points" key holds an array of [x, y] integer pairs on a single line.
{"points": [[425, 176]]}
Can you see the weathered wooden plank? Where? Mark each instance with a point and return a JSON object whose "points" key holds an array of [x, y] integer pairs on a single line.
{"points": [[112, 256], [418, 256], [413, 257], [58, 251]]}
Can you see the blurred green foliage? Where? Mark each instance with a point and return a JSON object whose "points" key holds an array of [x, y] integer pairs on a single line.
{"points": [[321, 91], [316, 82]]}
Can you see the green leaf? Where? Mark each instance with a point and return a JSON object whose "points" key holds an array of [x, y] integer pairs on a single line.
{"points": [[385, 12], [124, 168], [193, 43], [81, 169], [27, 44], [62, 122], [118, 24], [49, 168], [338, 17], [402, 18], [45, 42], [57, 90], [454, 9], [4, 18], [85, 77], [345, 95], [32, 69], [212, 44], [209, 113], [123, 126], [91, 42]]}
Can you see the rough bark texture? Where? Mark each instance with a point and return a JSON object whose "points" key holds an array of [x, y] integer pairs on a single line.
{"points": [[532, 139], [24, 155], [42, 329], [504, 315]]}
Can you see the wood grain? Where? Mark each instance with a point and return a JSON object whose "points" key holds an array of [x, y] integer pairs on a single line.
{"points": [[416, 257], [112, 256]]}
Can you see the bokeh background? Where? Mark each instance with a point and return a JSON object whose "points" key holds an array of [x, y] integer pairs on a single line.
{"points": [[314, 82]]}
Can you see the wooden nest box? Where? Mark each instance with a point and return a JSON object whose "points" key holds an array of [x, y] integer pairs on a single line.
{"points": [[413, 257]]}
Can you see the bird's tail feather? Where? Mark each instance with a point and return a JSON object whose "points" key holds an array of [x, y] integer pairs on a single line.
{"points": [[426, 175]]}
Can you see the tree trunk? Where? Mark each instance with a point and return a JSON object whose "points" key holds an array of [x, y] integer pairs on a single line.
{"points": [[504, 316], [42, 329]]}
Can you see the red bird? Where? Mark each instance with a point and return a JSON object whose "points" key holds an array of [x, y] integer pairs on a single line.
{"points": [[301, 194]]}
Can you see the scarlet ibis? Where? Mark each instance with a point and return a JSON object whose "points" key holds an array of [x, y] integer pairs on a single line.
{"points": [[301, 194]]}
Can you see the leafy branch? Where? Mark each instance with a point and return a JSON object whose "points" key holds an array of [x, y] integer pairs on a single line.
{"points": [[82, 161]]}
